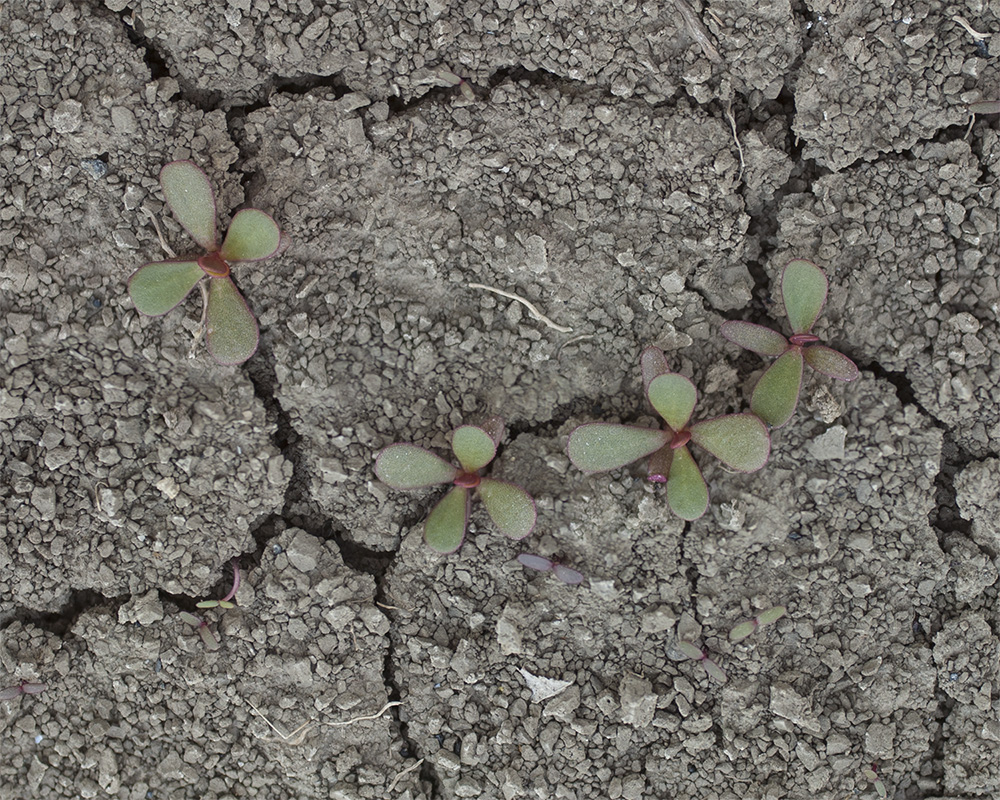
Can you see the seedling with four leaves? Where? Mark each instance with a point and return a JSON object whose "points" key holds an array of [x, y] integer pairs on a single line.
{"points": [[744, 629], [738, 440], [803, 289], [566, 574], [156, 288], [406, 466]]}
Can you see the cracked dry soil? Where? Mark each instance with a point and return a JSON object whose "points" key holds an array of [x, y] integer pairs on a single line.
{"points": [[596, 173]]}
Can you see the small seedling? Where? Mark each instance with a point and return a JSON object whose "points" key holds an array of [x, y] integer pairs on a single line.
{"points": [[225, 601], [156, 288], [562, 572], [24, 687], [744, 629], [406, 466], [803, 289], [738, 440], [210, 640], [695, 653], [451, 79], [872, 775]]}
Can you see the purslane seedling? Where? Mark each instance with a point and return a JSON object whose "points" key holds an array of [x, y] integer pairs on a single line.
{"points": [[695, 653], [740, 441], [24, 687], [744, 629], [225, 602], [872, 775], [561, 571], [208, 638], [803, 289], [156, 288], [406, 466]]}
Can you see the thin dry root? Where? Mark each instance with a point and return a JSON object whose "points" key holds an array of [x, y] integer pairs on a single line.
{"points": [[163, 242], [979, 37], [526, 303], [376, 715], [406, 771], [293, 738], [739, 147]]}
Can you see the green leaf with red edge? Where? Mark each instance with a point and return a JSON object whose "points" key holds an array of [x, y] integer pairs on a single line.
{"points": [[687, 492], [510, 507], [446, 524], [474, 448], [831, 363], [231, 328], [803, 288], [603, 446], [189, 195], [653, 363], [753, 337], [691, 651], [406, 466], [771, 615], [252, 236], [673, 396], [777, 392], [714, 670], [159, 286], [739, 441]]}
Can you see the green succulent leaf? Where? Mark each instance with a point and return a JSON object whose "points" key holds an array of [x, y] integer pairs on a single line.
{"points": [[232, 332], [803, 288], [739, 441], [673, 396], [603, 446], [157, 287], [771, 616], [653, 363], [252, 235], [189, 195], [446, 524], [509, 506], [831, 363], [687, 493], [742, 631], [777, 392], [406, 466], [753, 337], [690, 651], [714, 670], [474, 448]]}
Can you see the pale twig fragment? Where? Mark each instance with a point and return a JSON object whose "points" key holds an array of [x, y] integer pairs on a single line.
{"points": [[698, 30], [979, 37], [526, 303], [376, 715], [286, 738], [163, 242], [400, 775]]}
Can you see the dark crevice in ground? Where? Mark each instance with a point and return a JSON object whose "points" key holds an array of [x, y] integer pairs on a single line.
{"points": [[60, 623]]}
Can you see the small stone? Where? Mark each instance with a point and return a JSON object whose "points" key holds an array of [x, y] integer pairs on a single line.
{"points": [[67, 116]]}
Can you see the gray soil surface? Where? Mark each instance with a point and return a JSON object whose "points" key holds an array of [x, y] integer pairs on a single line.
{"points": [[639, 171]]}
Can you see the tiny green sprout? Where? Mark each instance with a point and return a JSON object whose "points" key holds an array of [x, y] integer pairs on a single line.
{"points": [[695, 653], [803, 289], [225, 602], [406, 466], [209, 639], [156, 288], [744, 629], [872, 775], [738, 440]]}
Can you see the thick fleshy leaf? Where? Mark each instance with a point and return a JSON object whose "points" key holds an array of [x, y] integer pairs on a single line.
{"points": [[743, 630], [603, 446], [567, 575], [771, 616], [653, 363], [673, 396], [687, 493], [739, 441], [754, 337], [252, 235], [831, 363], [157, 287], [534, 562], [406, 466], [690, 651], [714, 670], [189, 195], [803, 288], [509, 506], [776, 393], [474, 448], [446, 524], [232, 333]]}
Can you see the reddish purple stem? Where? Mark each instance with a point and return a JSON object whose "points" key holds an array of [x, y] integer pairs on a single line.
{"points": [[236, 582]]}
